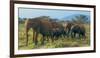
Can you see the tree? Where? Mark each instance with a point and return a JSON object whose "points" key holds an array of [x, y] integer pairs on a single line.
{"points": [[80, 19], [21, 20]]}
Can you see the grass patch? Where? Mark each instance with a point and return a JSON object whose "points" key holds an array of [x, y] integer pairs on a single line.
{"points": [[59, 43]]}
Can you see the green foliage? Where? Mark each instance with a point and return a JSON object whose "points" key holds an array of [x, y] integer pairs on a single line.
{"points": [[80, 19], [59, 43]]}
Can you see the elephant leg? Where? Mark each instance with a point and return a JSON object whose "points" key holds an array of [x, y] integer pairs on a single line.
{"points": [[27, 37], [79, 36], [74, 35], [43, 40], [34, 36], [47, 38], [36, 39], [52, 38], [84, 36], [68, 32], [71, 35]]}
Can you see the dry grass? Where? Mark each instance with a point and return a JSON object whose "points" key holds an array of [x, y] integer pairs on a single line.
{"points": [[59, 43]]}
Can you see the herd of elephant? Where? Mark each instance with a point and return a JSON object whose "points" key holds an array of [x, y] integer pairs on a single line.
{"points": [[52, 30]]}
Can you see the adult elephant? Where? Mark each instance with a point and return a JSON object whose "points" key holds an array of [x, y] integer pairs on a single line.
{"points": [[50, 29], [67, 28], [57, 29], [35, 24], [45, 29], [78, 29]]}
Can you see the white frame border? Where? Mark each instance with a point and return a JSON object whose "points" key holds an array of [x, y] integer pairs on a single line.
{"points": [[34, 51]]}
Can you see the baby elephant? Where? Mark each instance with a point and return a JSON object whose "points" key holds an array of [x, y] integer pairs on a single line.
{"points": [[78, 30]]}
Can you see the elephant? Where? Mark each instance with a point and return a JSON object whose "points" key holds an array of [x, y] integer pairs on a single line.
{"points": [[34, 23], [50, 29], [78, 29], [67, 28]]}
